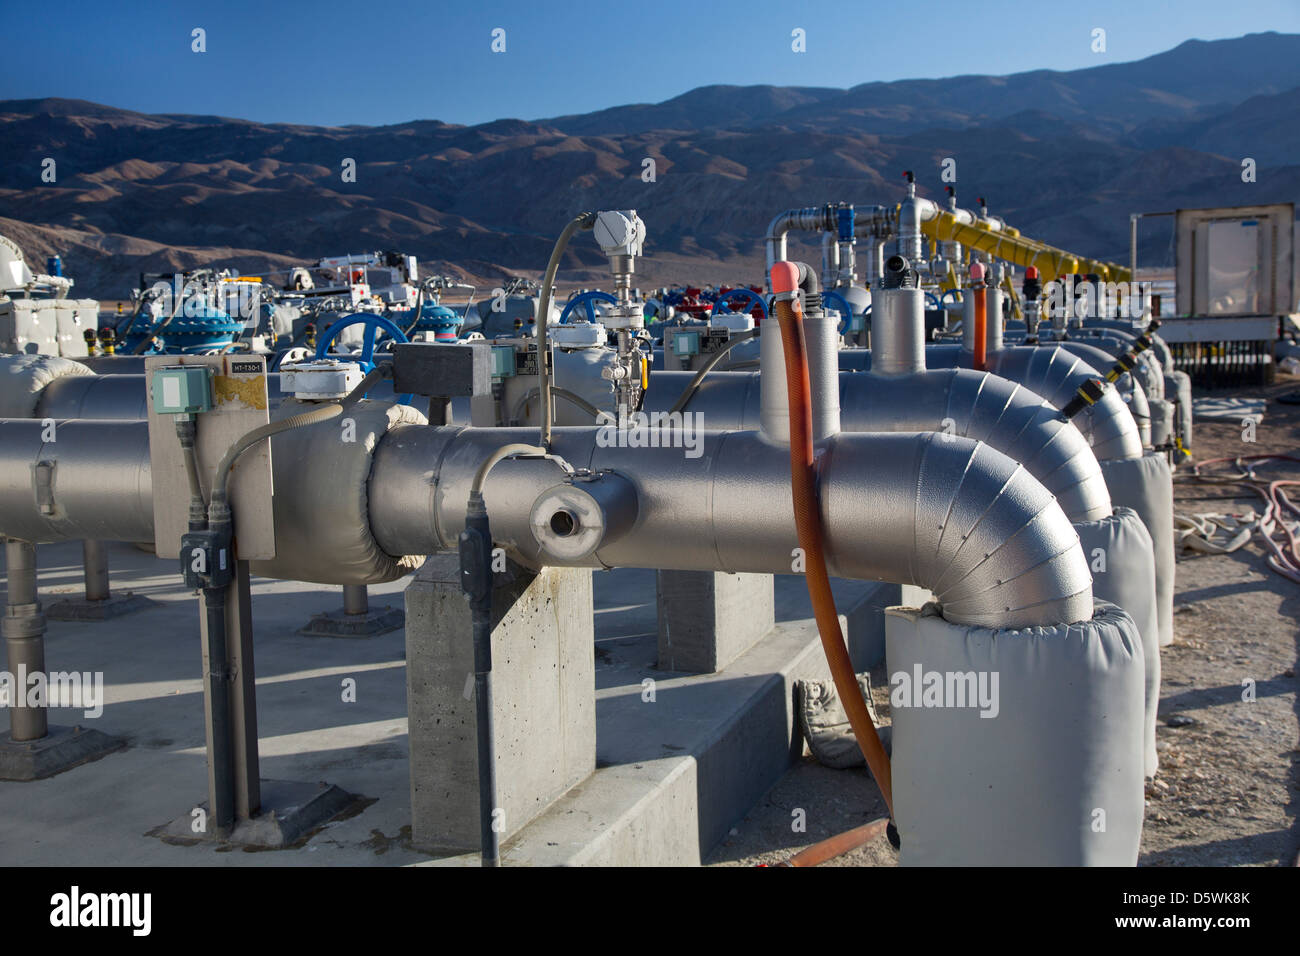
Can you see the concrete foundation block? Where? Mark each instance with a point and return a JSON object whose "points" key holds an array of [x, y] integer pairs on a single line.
{"points": [[290, 811], [708, 619], [543, 692], [339, 623], [61, 749], [79, 609]]}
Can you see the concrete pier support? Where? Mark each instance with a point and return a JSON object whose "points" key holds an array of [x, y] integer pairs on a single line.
{"points": [[99, 603], [707, 619], [544, 711], [356, 618]]}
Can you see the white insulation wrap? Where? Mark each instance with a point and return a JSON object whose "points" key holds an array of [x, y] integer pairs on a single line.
{"points": [[322, 516], [1045, 769], [24, 377], [1119, 554], [1146, 485]]}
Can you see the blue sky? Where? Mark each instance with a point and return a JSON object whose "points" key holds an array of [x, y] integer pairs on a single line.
{"points": [[387, 62]]}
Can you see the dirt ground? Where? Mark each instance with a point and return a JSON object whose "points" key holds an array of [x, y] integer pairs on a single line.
{"points": [[1228, 789]]}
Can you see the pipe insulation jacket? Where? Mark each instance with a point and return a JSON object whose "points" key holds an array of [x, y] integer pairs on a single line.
{"points": [[953, 516], [1004, 415], [1053, 373], [92, 481], [945, 513]]}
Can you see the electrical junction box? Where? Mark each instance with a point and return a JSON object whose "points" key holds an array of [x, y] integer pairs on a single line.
{"points": [[236, 404], [429, 369], [182, 390], [579, 335], [686, 343], [320, 380], [503, 361]]}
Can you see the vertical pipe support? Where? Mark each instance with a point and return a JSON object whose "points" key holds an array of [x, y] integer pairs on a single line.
{"points": [[24, 634]]}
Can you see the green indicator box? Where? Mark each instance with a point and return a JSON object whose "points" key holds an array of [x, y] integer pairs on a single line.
{"points": [[182, 390]]}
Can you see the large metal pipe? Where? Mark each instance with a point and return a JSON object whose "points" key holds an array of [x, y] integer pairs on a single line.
{"points": [[123, 397], [941, 512], [898, 321], [1053, 373], [954, 401], [76, 480], [808, 219]]}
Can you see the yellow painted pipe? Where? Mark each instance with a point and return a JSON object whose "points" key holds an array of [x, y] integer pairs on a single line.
{"points": [[1019, 250]]}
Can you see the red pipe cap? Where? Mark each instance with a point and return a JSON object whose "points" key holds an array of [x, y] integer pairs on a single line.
{"points": [[977, 271], [785, 277], [1031, 272]]}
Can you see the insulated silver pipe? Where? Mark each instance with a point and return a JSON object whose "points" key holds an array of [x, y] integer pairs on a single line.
{"points": [[1051, 372], [945, 513], [942, 512], [93, 481], [1056, 374], [953, 401], [808, 219], [123, 397], [897, 330], [913, 211], [993, 313], [822, 337]]}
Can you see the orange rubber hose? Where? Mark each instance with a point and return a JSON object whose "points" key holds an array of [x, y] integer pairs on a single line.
{"points": [[807, 516], [981, 360], [838, 845]]}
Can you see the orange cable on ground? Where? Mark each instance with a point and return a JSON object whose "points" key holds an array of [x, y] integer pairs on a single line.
{"points": [[838, 845]]}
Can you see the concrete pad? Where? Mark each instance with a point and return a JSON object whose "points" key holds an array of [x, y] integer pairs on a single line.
{"points": [[114, 605], [672, 776], [290, 811], [62, 748]]}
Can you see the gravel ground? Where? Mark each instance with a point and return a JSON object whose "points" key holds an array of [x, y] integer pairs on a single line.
{"points": [[1228, 789]]}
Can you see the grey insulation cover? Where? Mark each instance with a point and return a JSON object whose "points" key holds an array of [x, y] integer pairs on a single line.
{"points": [[1118, 549], [1055, 778], [322, 516], [1178, 385], [1162, 422], [1146, 485], [24, 377]]}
